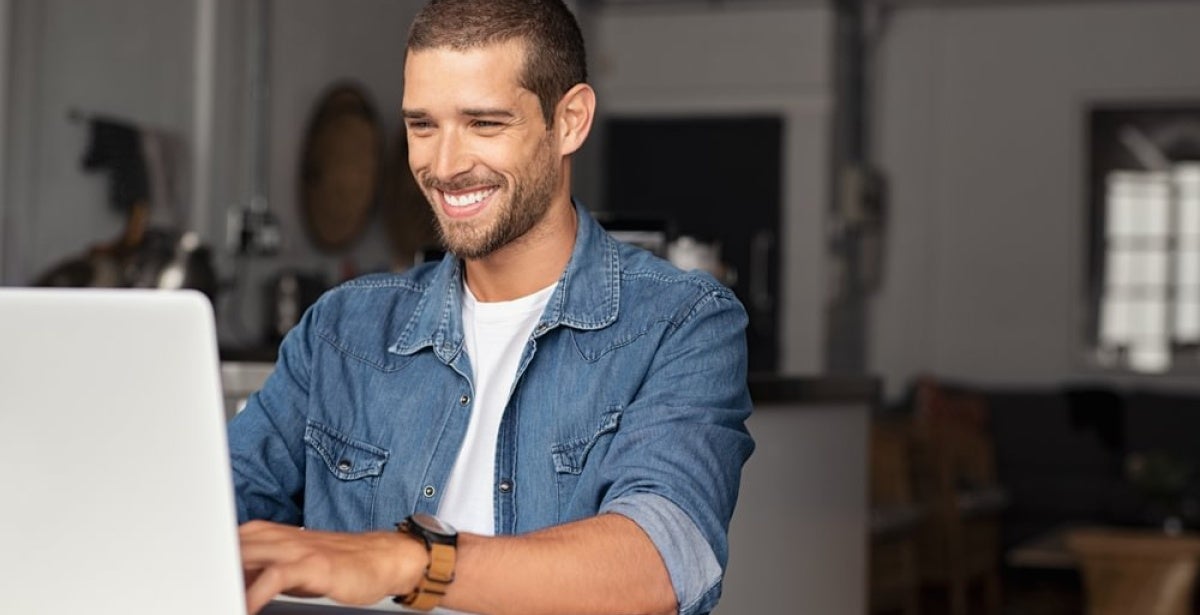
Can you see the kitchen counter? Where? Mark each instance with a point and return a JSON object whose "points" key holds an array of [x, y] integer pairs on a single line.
{"points": [[772, 390], [798, 538]]}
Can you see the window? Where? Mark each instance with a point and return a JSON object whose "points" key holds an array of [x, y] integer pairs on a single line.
{"points": [[1145, 256]]}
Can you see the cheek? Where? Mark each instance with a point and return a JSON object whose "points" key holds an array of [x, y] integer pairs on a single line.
{"points": [[510, 158], [417, 158], [419, 167]]}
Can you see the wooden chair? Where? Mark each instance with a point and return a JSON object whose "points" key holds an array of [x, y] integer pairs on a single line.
{"points": [[895, 519], [1130, 571], [954, 461]]}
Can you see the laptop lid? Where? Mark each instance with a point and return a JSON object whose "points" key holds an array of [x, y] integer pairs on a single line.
{"points": [[115, 494]]}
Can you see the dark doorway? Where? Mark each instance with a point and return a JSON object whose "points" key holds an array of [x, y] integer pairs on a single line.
{"points": [[713, 179]]}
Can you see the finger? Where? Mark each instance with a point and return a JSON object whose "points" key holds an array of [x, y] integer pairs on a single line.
{"points": [[300, 578], [262, 554], [255, 526], [261, 589], [259, 529], [264, 544], [249, 575]]}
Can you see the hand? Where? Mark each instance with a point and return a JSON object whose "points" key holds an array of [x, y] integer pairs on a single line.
{"points": [[357, 569]]}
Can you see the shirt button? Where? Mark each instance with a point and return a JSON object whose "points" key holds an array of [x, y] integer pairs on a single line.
{"points": [[429, 491], [464, 400], [344, 465], [506, 486]]}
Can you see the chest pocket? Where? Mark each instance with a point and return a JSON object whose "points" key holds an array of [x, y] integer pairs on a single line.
{"points": [[342, 475], [570, 458]]}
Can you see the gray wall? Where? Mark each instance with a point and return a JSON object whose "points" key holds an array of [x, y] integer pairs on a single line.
{"points": [[314, 44], [91, 56], [751, 57], [798, 540], [981, 119], [160, 64]]}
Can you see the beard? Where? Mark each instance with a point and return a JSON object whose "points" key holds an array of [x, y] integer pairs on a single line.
{"points": [[527, 204]]}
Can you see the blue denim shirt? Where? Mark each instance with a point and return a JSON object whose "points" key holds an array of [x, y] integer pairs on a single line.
{"points": [[630, 398]]}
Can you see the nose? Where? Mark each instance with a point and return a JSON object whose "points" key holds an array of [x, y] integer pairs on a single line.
{"points": [[451, 157]]}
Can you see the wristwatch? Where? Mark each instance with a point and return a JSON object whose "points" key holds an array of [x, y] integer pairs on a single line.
{"points": [[441, 540]]}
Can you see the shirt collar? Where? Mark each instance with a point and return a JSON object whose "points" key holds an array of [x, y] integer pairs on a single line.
{"points": [[587, 296]]}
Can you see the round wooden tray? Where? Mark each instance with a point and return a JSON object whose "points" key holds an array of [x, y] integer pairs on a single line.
{"points": [[341, 167]]}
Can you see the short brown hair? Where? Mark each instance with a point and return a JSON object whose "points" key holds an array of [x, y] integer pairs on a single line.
{"points": [[555, 60]]}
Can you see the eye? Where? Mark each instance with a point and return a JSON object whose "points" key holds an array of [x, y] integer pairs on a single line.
{"points": [[420, 126], [487, 125]]}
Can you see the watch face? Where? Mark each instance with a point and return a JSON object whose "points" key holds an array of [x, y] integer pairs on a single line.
{"points": [[434, 525]]}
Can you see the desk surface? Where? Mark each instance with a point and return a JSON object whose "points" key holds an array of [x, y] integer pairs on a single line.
{"points": [[1050, 551], [1047, 550]]}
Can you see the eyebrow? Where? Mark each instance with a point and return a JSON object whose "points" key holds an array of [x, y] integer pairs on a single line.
{"points": [[497, 113], [488, 113]]}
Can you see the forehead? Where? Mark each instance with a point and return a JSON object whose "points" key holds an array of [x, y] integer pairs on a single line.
{"points": [[443, 76]]}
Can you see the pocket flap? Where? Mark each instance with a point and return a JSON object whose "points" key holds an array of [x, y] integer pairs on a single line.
{"points": [[570, 456], [346, 458]]}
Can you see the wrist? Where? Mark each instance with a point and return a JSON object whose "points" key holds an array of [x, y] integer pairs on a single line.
{"points": [[440, 542], [411, 559]]}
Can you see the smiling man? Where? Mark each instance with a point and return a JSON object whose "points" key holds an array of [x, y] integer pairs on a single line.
{"points": [[546, 421]]}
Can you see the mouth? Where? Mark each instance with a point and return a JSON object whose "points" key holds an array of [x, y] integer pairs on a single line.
{"points": [[464, 203]]}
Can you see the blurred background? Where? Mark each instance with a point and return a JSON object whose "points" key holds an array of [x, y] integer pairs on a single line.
{"points": [[976, 222]]}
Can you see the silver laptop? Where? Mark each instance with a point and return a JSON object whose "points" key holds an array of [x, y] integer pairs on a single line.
{"points": [[116, 494], [116, 491]]}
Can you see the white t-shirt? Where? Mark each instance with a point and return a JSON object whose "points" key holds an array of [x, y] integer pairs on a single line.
{"points": [[496, 334]]}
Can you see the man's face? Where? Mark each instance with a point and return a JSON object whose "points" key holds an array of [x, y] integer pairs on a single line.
{"points": [[479, 146]]}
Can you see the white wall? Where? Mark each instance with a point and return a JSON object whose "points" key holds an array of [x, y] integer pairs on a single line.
{"points": [[696, 59], [981, 120]]}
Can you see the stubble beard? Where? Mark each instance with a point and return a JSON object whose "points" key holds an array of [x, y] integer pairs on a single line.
{"points": [[526, 207]]}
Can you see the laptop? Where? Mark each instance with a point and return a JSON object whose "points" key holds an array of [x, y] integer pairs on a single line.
{"points": [[116, 485], [116, 495]]}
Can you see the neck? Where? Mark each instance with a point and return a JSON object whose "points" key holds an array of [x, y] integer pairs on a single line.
{"points": [[530, 263]]}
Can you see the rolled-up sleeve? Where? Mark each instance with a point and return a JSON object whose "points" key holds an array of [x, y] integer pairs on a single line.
{"points": [[691, 563], [675, 463]]}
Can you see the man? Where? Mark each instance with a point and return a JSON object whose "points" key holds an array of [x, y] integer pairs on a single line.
{"points": [[574, 405]]}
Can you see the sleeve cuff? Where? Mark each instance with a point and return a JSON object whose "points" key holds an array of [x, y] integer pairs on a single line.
{"points": [[691, 563]]}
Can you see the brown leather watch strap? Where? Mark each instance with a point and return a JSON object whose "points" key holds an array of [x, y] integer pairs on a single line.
{"points": [[432, 587]]}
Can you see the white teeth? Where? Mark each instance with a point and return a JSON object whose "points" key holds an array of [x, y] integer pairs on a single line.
{"points": [[470, 198]]}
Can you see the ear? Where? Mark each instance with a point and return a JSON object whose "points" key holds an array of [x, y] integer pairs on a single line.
{"points": [[573, 117]]}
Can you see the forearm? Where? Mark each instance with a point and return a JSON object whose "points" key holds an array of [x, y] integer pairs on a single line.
{"points": [[605, 564]]}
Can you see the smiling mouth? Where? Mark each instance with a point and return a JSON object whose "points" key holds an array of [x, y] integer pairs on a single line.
{"points": [[467, 199]]}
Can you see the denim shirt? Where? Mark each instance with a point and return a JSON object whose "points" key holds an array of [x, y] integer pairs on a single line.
{"points": [[630, 398]]}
